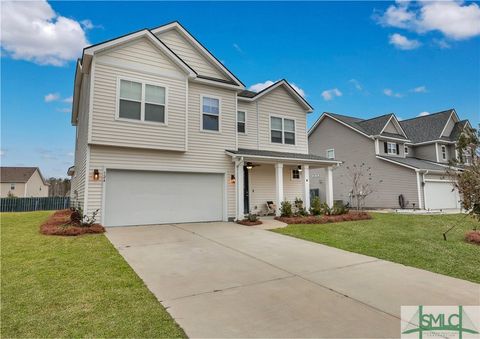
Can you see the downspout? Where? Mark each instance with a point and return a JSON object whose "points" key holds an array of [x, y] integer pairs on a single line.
{"points": [[423, 187], [258, 138]]}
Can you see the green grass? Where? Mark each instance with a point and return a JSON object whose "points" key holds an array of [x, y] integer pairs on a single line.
{"points": [[72, 287], [413, 240]]}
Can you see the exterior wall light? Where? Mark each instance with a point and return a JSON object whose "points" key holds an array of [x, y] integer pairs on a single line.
{"points": [[249, 166], [232, 179], [96, 175], [299, 168]]}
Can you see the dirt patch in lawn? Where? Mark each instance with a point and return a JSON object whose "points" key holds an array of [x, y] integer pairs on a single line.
{"points": [[473, 237], [324, 219], [59, 224]]}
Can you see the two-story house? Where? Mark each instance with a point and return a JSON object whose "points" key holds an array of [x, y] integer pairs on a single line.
{"points": [[407, 158], [165, 133], [22, 182]]}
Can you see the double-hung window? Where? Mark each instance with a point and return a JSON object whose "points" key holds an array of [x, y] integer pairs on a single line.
{"points": [[210, 114], [12, 186], [295, 174], [331, 153], [141, 101], [282, 131], [391, 148], [406, 149], [241, 120], [444, 152]]}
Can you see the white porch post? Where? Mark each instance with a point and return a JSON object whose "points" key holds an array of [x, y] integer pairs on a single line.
{"points": [[329, 186], [278, 186], [306, 181], [240, 201]]}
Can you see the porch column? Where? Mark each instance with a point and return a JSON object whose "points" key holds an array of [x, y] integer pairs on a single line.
{"points": [[240, 201], [329, 186], [278, 186], [306, 181]]}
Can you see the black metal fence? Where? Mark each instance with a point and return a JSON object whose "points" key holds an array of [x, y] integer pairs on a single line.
{"points": [[33, 204]]}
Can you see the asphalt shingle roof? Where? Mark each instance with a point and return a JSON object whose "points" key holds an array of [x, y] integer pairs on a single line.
{"points": [[299, 156], [426, 128], [247, 94], [417, 163], [16, 174], [375, 125]]}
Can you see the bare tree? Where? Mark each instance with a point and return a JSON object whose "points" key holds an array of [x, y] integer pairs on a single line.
{"points": [[362, 183]]}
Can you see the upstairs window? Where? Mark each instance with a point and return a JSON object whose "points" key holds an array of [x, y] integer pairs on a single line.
{"points": [[406, 149], [241, 120], [12, 186], [391, 148], [444, 152], [282, 131], [331, 153], [210, 114], [140, 101]]}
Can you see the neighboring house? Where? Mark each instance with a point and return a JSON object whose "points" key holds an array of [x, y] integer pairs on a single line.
{"points": [[22, 182], [407, 157], [165, 133]]}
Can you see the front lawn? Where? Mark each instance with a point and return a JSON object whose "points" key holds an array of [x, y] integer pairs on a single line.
{"points": [[72, 287], [413, 240]]}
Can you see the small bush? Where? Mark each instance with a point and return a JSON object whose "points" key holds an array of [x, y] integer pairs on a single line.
{"points": [[316, 206], [339, 208], [250, 220], [351, 216], [473, 237], [77, 217], [252, 217], [286, 209], [59, 223]]}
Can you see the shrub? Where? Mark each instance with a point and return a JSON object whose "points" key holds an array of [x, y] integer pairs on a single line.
{"points": [[252, 217], [59, 224], [316, 206], [351, 216], [286, 209], [77, 217], [339, 208], [473, 237]]}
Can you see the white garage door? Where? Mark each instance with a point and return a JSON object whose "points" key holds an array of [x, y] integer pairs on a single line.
{"points": [[144, 197], [439, 195]]}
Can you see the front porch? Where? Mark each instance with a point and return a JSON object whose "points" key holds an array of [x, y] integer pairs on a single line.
{"points": [[263, 176]]}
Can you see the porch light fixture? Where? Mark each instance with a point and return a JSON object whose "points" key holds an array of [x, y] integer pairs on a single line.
{"points": [[232, 179], [299, 168], [96, 175], [249, 165]]}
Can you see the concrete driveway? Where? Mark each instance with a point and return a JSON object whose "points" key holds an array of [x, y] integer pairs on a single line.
{"points": [[226, 280]]}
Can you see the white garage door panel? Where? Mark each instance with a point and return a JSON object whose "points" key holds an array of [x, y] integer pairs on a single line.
{"points": [[143, 197], [439, 195]]}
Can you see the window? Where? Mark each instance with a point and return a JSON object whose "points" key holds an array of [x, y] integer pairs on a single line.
{"points": [[391, 148], [295, 174], [331, 153], [241, 119], [12, 186], [210, 114], [140, 101], [406, 149], [444, 152], [282, 131]]}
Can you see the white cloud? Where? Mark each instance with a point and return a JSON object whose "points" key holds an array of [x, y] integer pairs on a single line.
{"points": [[420, 89], [329, 94], [356, 84], [262, 85], [423, 114], [238, 48], [68, 100], [441, 43], [51, 97], [389, 93], [453, 18], [70, 154], [33, 31], [402, 42], [64, 110], [2, 152]]}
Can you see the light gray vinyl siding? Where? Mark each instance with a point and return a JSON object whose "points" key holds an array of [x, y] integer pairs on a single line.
{"points": [[146, 64], [391, 128], [449, 127], [250, 138], [448, 153], [280, 103], [206, 151], [187, 52], [77, 190], [401, 148], [354, 149], [426, 152]]}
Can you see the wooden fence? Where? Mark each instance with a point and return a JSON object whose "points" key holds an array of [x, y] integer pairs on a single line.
{"points": [[33, 204]]}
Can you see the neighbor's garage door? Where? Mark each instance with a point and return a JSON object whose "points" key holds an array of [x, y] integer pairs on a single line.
{"points": [[439, 195], [144, 197]]}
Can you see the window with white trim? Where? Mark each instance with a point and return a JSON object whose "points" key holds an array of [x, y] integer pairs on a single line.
{"points": [[444, 152], [295, 174], [141, 101], [406, 149], [282, 130], [12, 186], [331, 153], [391, 148], [241, 120], [210, 114]]}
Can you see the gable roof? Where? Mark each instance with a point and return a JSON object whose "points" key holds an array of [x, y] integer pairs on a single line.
{"points": [[414, 163], [252, 96], [426, 128], [458, 129], [200, 47], [18, 174]]}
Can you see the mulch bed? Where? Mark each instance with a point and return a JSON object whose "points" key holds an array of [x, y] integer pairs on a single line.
{"points": [[249, 223], [473, 237], [59, 224], [324, 219]]}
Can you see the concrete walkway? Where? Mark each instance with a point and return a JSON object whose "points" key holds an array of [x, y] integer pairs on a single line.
{"points": [[229, 281]]}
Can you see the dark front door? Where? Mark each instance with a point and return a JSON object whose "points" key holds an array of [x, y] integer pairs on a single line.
{"points": [[246, 200]]}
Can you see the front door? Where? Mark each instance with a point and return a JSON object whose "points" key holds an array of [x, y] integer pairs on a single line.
{"points": [[246, 200]]}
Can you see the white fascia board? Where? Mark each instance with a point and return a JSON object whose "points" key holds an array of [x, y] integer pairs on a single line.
{"points": [[153, 39], [280, 159], [340, 122], [407, 166], [76, 92], [391, 138], [199, 47], [398, 124], [217, 84], [433, 142]]}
